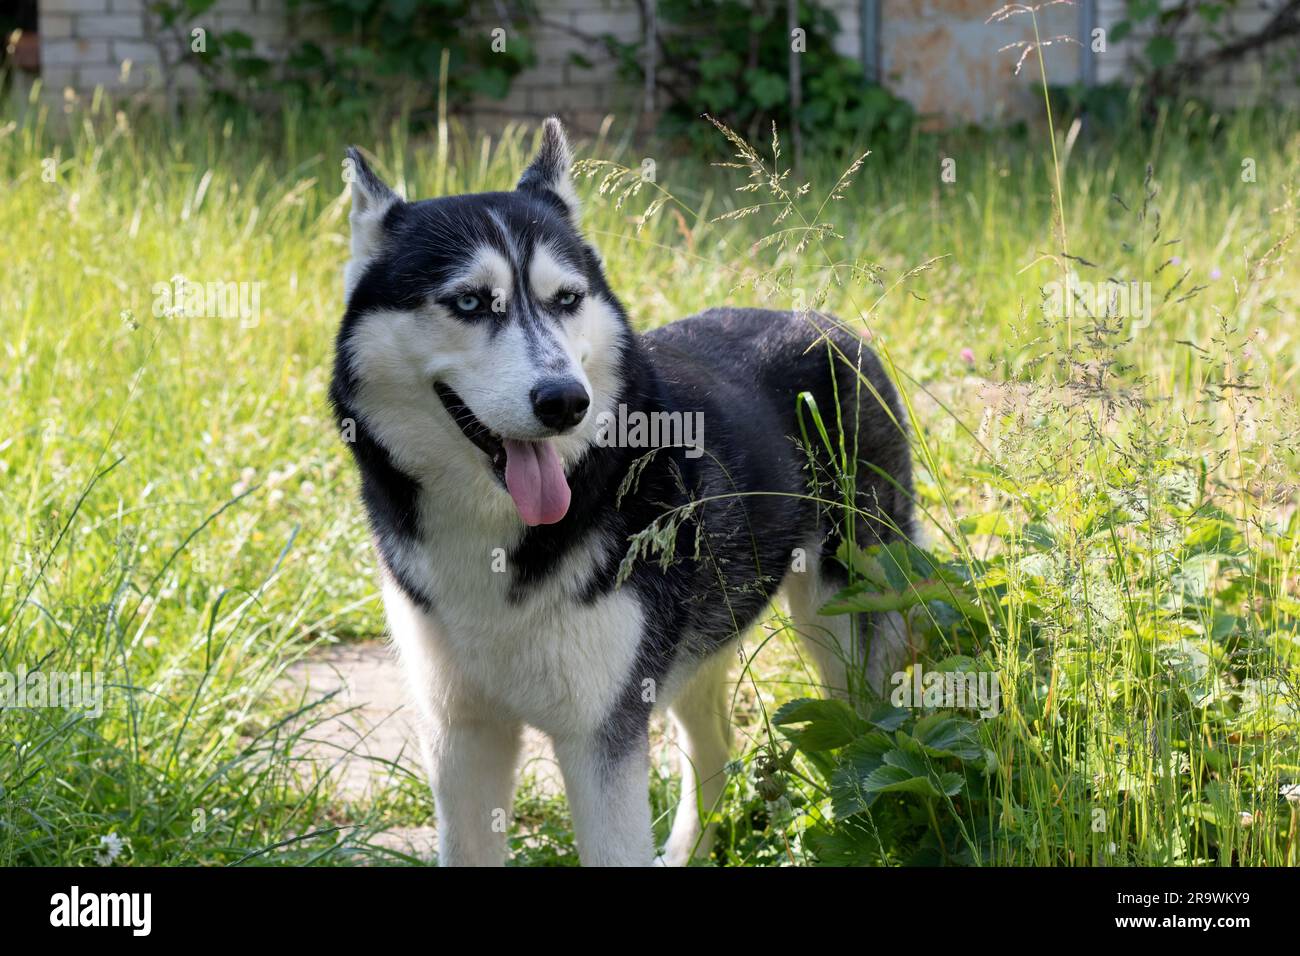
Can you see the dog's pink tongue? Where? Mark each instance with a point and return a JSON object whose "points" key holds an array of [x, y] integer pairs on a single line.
{"points": [[536, 482]]}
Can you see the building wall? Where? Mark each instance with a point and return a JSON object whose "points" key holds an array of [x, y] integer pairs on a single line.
{"points": [[111, 43], [585, 94], [557, 85], [939, 54], [86, 43], [1239, 84], [944, 58]]}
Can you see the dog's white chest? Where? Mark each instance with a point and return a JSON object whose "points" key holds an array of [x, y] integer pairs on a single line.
{"points": [[543, 655]]}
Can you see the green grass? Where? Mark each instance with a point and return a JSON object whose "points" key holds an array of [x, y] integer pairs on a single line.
{"points": [[1116, 507]]}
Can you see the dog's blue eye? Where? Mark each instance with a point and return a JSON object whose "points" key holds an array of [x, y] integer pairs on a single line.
{"points": [[567, 299], [467, 303]]}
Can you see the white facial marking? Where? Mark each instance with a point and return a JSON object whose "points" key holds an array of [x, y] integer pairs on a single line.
{"points": [[486, 269], [398, 355], [548, 274]]}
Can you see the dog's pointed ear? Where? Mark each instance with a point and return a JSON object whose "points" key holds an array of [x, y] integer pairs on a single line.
{"points": [[369, 192], [549, 172], [371, 201]]}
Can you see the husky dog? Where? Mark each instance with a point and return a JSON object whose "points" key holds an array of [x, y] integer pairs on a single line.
{"points": [[480, 361]]}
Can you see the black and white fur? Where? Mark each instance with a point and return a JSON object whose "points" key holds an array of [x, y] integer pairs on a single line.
{"points": [[425, 393]]}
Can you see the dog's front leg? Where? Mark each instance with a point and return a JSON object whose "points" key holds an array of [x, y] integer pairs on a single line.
{"points": [[472, 765], [470, 749], [609, 798]]}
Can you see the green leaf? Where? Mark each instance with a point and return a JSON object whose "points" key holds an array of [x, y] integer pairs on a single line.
{"points": [[1161, 51], [767, 89], [888, 717], [942, 735], [1212, 12], [843, 845], [858, 761], [829, 723], [1214, 537], [490, 82], [898, 780], [861, 563], [725, 66], [891, 779], [237, 40], [864, 597], [908, 760], [896, 560], [1039, 535], [996, 523]]}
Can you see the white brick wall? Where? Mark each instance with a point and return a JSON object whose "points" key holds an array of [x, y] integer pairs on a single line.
{"points": [[554, 84], [84, 43], [73, 6], [74, 52], [584, 95], [939, 54], [56, 26], [137, 51], [125, 25]]}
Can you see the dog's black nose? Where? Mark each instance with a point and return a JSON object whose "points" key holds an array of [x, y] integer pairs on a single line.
{"points": [[560, 403]]}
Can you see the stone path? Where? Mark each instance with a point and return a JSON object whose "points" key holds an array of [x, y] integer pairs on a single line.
{"points": [[371, 727], [376, 721]]}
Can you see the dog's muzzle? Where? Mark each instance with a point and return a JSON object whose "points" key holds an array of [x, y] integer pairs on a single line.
{"points": [[487, 441]]}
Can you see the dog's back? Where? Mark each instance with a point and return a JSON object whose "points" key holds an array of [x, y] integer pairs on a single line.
{"points": [[752, 366]]}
